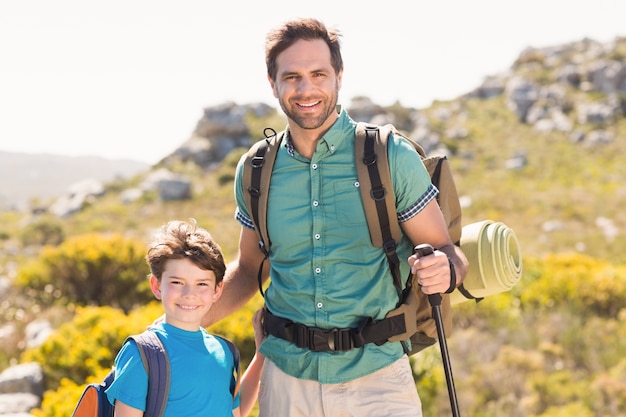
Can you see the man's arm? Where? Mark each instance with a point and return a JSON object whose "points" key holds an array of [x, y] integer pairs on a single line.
{"points": [[252, 376], [240, 281], [433, 272]]}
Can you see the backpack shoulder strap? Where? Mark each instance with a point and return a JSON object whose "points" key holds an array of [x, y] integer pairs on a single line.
{"points": [[438, 167], [370, 149], [157, 364], [236, 361], [377, 195], [257, 172]]}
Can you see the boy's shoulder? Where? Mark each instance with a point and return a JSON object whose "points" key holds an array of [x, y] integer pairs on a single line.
{"points": [[236, 365]]}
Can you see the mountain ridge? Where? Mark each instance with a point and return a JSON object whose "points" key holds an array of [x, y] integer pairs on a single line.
{"points": [[42, 176]]}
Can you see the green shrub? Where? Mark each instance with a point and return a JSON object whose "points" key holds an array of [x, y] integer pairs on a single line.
{"points": [[430, 379], [82, 351], [577, 282], [91, 269], [44, 231], [61, 403], [89, 343]]}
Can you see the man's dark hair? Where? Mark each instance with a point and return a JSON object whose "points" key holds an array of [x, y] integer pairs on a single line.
{"points": [[291, 31]]}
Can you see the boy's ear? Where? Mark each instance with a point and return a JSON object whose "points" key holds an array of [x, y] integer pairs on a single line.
{"points": [[155, 286], [218, 291]]}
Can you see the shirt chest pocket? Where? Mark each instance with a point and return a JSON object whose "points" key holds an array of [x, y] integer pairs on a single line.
{"points": [[346, 200]]}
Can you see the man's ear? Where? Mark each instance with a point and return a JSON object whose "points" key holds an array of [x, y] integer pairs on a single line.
{"points": [[273, 85], [339, 78], [155, 286]]}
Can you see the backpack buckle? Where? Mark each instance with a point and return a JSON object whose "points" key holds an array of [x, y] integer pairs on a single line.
{"points": [[320, 340], [254, 192], [378, 194], [256, 161], [369, 159]]}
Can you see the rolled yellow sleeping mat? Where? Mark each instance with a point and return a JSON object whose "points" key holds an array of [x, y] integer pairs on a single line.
{"points": [[495, 260]]}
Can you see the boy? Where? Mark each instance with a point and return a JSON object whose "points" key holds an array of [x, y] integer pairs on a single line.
{"points": [[187, 268]]}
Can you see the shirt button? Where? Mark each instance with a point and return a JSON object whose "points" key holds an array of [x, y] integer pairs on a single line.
{"points": [[320, 305], [314, 166], [318, 270], [316, 203], [317, 236], [357, 184]]}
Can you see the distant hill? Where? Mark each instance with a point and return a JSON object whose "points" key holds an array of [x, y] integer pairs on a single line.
{"points": [[44, 176]]}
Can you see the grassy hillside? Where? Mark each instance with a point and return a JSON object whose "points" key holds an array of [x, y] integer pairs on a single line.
{"points": [[552, 347], [556, 202]]}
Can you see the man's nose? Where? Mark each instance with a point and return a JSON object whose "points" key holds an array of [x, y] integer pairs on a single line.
{"points": [[305, 85]]}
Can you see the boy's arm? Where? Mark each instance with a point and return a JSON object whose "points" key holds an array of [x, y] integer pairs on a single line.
{"points": [[250, 384], [123, 410], [240, 281]]}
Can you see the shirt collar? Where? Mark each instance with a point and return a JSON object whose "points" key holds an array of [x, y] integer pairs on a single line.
{"points": [[341, 133]]}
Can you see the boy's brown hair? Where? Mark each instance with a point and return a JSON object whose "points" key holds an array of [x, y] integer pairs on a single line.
{"points": [[179, 240], [292, 31]]}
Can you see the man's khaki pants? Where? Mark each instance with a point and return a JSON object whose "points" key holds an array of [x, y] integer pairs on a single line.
{"points": [[389, 392]]}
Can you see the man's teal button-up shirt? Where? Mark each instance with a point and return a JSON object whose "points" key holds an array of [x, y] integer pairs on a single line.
{"points": [[324, 271]]}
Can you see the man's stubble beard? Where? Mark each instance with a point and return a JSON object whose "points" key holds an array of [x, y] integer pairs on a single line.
{"points": [[308, 123]]}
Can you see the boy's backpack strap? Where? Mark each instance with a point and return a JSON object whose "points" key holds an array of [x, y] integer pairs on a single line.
{"points": [[236, 361], [257, 171], [94, 402], [157, 364]]}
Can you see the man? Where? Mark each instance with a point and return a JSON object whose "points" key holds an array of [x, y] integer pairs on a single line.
{"points": [[325, 273]]}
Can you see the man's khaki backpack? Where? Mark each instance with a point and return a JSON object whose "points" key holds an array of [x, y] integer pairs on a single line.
{"points": [[413, 318]]}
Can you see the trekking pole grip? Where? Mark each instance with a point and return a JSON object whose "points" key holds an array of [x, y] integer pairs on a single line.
{"points": [[424, 250], [435, 302]]}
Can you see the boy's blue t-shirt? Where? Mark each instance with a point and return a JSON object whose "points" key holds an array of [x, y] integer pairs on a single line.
{"points": [[201, 374]]}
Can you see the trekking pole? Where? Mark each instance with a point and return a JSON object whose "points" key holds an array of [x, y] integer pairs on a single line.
{"points": [[435, 303]]}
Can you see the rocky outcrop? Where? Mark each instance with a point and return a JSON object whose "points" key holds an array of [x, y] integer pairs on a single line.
{"points": [[21, 389], [78, 196], [547, 87], [221, 129]]}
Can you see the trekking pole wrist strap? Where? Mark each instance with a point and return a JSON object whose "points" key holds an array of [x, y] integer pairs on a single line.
{"points": [[452, 286]]}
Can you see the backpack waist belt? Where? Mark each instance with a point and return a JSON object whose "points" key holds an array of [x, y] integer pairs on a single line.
{"points": [[323, 340]]}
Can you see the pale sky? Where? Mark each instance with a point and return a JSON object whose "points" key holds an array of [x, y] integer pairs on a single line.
{"points": [[130, 78]]}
